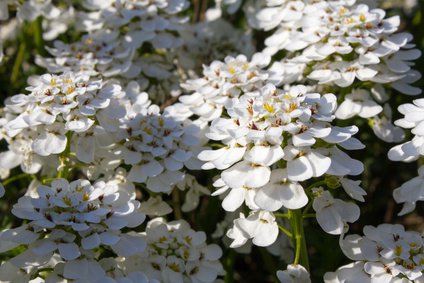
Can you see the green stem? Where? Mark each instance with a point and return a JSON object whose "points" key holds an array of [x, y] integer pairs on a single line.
{"points": [[287, 232], [177, 203], [309, 215], [282, 215], [298, 238], [48, 180], [18, 62], [305, 211], [17, 177], [38, 35], [64, 158]]}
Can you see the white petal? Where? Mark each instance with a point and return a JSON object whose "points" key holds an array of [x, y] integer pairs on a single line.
{"points": [[90, 242], [234, 199], [69, 251], [49, 143], [299, 169]]}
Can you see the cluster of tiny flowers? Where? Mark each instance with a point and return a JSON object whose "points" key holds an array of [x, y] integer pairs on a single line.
{"points": [[55, 18], [116, 32], [175, 253], [222, 81], [386, 253], [338, 43], [139, 95], [144, 21], [157, 147], [411, 191], [104, 125], [69, 222], [55, 106], [267, 126]]}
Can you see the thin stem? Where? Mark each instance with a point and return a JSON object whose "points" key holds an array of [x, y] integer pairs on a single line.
{"points": [[305, 211], [38, 35], [309, 215], [282, 215], [196, 10], [48, 180], [177, 203], [64, 158], [287, 232], [298, 238], [18, 62], [17, 177]]}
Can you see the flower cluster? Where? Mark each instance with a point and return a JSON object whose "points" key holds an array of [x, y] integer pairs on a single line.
{"points": [[176, 253], [272, 140], [100, 122], [337, 43], [222, 81], [141, 95], [115, 32], [386, 253], [68, 222], [55, 106], [157, 147]]}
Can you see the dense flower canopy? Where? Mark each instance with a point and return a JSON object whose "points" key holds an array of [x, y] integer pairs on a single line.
{"points": [[204, 141]]}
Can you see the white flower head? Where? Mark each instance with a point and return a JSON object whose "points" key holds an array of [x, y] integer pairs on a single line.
{"points": [[260, 226], [332, 214], [294, 274], [95, 213], [175, 253], [55, 106], [386, 253]]}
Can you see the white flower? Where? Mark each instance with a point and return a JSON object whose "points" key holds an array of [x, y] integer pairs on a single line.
{"points": [[280, 192], [349, 273], [408, 151], [410, 192], [155, 206], [413, 117], [384, 128], [193, 191], [294, 274], [358, 103], [246, 174], [332, 214], [260, 226], [353, 189], [31, 9], [303, 164]]}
